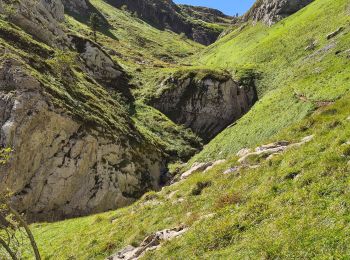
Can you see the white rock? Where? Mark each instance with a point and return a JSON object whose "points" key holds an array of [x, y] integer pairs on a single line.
{"points": [[196, 167], [214, 164], [232, 170]]}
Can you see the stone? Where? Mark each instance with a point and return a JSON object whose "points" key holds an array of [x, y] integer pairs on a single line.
{"points": [[311, 46], [232, 170], [206, 106], [196, 167], [272, 11], [271, 150], [75, 6], [243, 152], [218, 162], [41, 19], [61, 169], [100, 66], [335, 33], [151, 242]]}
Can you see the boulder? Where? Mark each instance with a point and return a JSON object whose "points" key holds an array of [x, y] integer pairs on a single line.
{"points": [[196, 167], [151, 242]]}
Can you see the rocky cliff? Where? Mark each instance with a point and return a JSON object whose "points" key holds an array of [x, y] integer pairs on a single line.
{"points": [[272, 11], [168, 15], [205, 101], [75, 148], [59, 167]]}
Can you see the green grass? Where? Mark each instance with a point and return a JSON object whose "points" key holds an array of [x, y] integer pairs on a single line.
{"points": [[176, 141], [137, 43], [295, 206], [287, 71]]}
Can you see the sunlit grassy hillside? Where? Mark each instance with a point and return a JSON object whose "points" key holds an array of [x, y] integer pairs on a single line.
{"points": [[294, 79], [294, 206]]}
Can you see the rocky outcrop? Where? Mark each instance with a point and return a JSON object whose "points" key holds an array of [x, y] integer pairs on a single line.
{"points": [[100, 66], [207, 105], [168, 15], [39, 18], [152, 242], [60, 167], [205, 14], [272, 11], [75, 6]]}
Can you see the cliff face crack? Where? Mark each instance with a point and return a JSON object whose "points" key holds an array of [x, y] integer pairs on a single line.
{"points": [[206, 105]]}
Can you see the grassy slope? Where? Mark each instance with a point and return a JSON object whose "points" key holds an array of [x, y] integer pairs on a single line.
{"points": [[261, 213], [137, 44], [295, 206], [142, 50], [287, 70]]}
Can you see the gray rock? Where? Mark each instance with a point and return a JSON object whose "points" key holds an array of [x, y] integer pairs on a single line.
{"points": [[206, 106], [151, 242], [272, 11], [335, 33], [41, 19], [232, 170], [196, 167], [59, 168], [218, 162], [271, 150], [75, 6]]}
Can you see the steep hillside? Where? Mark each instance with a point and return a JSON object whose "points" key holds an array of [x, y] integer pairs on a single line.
{"points": [[80, 141], [284, 195], [168, 15], [301, 68]]}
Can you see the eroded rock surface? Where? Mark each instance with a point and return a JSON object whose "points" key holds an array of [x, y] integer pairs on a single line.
{"points": [[60, 167], [100, 66], [151, 242], [272, 11], [39, 18], [75, 6], [207, 106]]}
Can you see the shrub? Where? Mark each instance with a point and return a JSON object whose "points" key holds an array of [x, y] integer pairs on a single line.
{"points": [[200, 186], [228, 199]]}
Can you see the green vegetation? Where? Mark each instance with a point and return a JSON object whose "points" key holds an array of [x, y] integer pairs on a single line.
{"points": [[293, 80], [294, 206], [94, 24]]}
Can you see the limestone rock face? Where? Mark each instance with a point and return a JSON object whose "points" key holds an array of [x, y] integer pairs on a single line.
{"points": [[40, 18], [272, 11], [75, 6], [99, 63], [61, 168], [206, 106], [100, 66]]}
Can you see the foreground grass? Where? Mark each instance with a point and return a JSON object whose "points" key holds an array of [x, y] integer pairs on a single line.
{"points": [[294, 206]]}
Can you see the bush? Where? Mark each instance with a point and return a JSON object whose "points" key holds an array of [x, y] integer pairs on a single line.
{"points": [[200, 186], [228, 199]]}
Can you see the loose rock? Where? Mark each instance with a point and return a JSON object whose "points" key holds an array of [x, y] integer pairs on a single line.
{"points": [[151, 242], [335, 33]]}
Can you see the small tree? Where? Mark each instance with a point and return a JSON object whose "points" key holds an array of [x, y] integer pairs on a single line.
{"points": [[94, 24]]}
